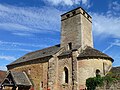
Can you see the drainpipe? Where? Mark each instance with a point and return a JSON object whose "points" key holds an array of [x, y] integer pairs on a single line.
{"points": [[103, 68]]}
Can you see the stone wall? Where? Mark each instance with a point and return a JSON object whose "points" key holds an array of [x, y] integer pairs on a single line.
{"points": [[37, 73], [87, 68], [52, 73], [86, 27], [62, 63]]}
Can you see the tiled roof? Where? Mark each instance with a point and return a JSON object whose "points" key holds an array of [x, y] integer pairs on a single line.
{"points": [[21, 78], [16, 79], [90, 52], [37, 54], [116, 71]]}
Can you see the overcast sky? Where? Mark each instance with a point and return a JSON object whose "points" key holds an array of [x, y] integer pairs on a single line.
{"points": [[28, 25]]}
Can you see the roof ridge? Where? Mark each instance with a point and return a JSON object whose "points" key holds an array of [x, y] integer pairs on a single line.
{"points": [[42, 49], [98, 51]]}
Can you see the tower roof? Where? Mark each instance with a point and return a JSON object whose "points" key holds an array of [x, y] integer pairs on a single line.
{"points": [[90, 52], [116, 70]]}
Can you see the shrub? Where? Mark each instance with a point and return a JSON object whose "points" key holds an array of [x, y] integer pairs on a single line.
{"points": [[94, 82]]}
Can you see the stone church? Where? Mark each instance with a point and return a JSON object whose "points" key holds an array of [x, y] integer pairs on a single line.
{"points": [[61, 67]]}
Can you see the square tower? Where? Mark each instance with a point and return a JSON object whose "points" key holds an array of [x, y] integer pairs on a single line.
{"points": [[76, 28]]}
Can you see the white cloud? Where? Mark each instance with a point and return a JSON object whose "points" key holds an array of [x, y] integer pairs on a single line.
{"points": [[20, 44], [23, 34], [16, 49], [15, 27], [16, 46], [26, 21], [67, 2], [115, 6], [56, 2], [116, 42], [4, 68], [105, 25], [9, 58], [29, 20], [84, 1]]}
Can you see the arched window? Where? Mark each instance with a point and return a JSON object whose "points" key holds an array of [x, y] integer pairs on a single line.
{"points": [[65, 77], [69, 46], [97, 72]]}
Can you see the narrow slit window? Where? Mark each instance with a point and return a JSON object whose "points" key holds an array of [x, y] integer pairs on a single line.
{"points": [[83, 13], [70, 46], [66, 75], [74, 12], [68, 15]]}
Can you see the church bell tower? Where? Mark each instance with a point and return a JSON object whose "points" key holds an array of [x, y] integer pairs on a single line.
{"points": [[76, 28]]}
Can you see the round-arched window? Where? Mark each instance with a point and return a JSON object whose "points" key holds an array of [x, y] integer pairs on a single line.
{"points": [[65, 75], [97, 72]]}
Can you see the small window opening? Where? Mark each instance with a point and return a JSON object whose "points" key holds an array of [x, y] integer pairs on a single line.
{"points": [[42, 84], [68, 15], [69, 46], [97, 72], [66, 75], [23, 57], [29, 71], [88, 16], [83, 13], [74, 12]]}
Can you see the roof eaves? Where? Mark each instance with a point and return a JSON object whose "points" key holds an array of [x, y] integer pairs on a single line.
{"points": [[28, 60], [90, 57]]}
